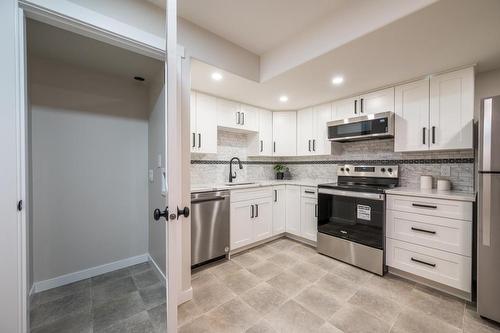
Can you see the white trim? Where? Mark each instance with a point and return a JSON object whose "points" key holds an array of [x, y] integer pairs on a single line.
{"points": [[185, 295], [157, 268], [88, 273]]}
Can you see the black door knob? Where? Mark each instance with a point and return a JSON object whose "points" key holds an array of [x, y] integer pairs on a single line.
{"points": [[184, 211], [158, 213]]}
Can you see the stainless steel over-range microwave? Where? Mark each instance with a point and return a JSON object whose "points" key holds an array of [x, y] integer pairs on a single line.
{"points": [[371, 126]]}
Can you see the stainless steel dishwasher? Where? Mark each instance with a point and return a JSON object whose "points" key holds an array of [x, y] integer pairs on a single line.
{"points": [[209, 226]]}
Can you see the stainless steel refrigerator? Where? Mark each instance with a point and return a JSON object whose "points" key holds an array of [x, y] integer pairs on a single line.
{"points": [[488, 232]]}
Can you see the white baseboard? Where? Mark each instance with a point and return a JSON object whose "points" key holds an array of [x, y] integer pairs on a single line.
{"points": [[88, 273], [184, 295]]}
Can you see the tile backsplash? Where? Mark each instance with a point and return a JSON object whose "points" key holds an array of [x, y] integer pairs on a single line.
{"points": [[210, 169]]}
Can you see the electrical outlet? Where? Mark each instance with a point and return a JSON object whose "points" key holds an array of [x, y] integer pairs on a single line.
{"points": [[151, 175], [445, 170], [159, 161]]}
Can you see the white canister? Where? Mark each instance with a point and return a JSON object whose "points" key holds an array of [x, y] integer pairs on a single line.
{"points": [[426, 182], [443, 185]]}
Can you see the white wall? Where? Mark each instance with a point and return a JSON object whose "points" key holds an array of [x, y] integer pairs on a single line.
{"points": [[487, 85], [89, 154]]}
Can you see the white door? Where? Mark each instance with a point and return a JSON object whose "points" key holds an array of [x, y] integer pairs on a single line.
{"points": [[321, 115], [412, 116], [249, 118], [242, 215], [13, 268], [452, 110], [377, 101], [263, 221], [293, 209], [285, 133], [279, 209], [228, 114], [305, 132], [206, 124], [345, 108], [308, 218], [265, 133]]}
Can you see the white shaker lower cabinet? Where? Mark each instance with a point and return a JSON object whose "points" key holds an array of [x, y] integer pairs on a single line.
{"points": [[430, 238], [251, 216], [279, 209], [293, 209], [309, 213]]}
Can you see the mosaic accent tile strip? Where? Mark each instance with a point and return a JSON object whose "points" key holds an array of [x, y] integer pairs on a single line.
{"points": [[368, 162]]}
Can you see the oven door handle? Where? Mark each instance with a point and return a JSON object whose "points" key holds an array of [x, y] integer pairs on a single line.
{"points": [[373, 196]]}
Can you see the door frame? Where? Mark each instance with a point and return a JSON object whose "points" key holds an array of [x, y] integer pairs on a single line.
{"points": [[176, 110]]}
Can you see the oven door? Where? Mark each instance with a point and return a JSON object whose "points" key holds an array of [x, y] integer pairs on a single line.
{"points": [[354, 216]]}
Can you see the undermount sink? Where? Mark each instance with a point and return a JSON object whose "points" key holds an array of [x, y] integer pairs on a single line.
{"points": [[240, 184]]}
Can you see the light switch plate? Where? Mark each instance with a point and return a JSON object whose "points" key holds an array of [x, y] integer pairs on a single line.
{"points": [[445, 170]]}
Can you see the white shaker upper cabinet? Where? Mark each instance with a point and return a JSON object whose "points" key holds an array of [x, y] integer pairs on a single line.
{"points": [[285, 133], [452, 110], [412, 116], [261, 142], [203, 124], [228, 113], [345, 108], [322, 114], [249, 118], [305, 132], [377, 101]]}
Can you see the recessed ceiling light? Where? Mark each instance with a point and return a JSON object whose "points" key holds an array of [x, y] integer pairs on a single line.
{"points": [[283, 98], [216, 76], [337, 80]]}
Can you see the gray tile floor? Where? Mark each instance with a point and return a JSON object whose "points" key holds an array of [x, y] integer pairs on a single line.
{"points": [[127, 300], [287, 287]]}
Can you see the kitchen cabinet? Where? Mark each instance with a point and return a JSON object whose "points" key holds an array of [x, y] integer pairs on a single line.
{"points": [[237, 117], [285, 133], [203, 123], [312, 131], [370, 103], [430, 238], [435, 113], [309, 218], [452, 110], [251, 217], [279, 209], [292, 215], [261, 142], [412, 116]]}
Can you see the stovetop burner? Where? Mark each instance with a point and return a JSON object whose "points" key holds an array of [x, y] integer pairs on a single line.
{"points": [[363, 178]]}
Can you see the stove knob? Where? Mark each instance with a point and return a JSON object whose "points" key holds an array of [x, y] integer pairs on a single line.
{"points": [[390, 170], [383, 169], [342, 169], [347, 169]]}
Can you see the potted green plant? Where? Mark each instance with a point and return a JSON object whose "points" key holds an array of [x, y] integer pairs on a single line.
{"points": [[280, 171]]}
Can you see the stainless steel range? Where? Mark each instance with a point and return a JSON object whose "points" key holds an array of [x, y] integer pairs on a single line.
{"points": [[351, 215]]}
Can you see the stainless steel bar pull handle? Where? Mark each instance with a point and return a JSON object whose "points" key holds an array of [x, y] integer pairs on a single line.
{"points": [[251, 212], [256, 210], [355, 106], [309, 145], [194, 140], [275, 195], [433, 134], [274, 146], [243, 118], [237, 118], [423, 135], [361, 105], [423, 206], [314, 144], [309, 192], [261, 146], [199, 140], [423, 230], [423, 262]]}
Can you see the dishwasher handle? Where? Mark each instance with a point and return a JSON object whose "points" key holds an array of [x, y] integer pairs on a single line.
{"points": [[208, 199]]}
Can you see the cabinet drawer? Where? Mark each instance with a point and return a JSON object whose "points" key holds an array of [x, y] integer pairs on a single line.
{"points": [[308, 192], [443, 267], [428, 206], [251, 194], [435, 232]]}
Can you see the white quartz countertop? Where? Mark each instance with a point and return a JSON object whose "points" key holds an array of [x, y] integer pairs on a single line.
{"points": [[258, 183], [433, 193]]}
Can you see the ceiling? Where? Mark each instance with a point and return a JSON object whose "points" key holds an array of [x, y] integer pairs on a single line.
{"points": [[442, 36], [50, 42], [257, 25]]}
